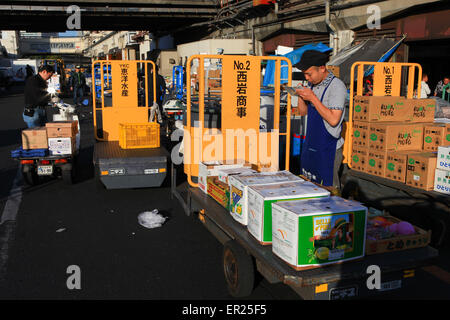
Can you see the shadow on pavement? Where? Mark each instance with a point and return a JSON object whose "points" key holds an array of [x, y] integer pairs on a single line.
{"points": [[11, 137]]}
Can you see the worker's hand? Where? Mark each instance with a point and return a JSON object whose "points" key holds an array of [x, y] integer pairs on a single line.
{"points": [[71, 88], [306, 94]]}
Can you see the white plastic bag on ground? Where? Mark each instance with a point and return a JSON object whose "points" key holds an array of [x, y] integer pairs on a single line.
{"points": [[151, 219]]}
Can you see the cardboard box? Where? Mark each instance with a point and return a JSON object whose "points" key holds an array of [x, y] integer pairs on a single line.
{"points": [[334, 69], [381, 109], [435, 135], [421, 168], [61, 146], [398, 243], [35, 138], [224, 174], [219, 191], [359, 158], [423, 109], [313, 233], [442, 181], [376, 163], [260, 199], [239, 190], [206, 169], [443, 158], [62, 129], [395, 136], [360, 134], [395, 168]]}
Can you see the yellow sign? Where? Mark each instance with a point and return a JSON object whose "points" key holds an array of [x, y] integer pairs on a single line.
{"points": [[124, 87], [387, 79], [241, 83]]}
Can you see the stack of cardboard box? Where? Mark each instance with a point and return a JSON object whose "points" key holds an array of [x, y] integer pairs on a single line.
{"points": [[59, 137], [442, 173], [388, 138]]}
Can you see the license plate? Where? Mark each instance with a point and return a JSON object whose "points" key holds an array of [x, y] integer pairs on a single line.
{"points": [[116, 172], [44, 170], [151, 171], [343, 293], [391, 285]]}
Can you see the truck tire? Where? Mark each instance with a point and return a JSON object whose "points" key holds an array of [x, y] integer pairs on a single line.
{"points": [[67, 176], [238, 269], [68, 171], [30, 176]]}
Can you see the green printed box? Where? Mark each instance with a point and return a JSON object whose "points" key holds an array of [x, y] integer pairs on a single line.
{"points": [[381, 109], [395, 136], [239, 190], [311, 233], [261, 198], [422, 109]]}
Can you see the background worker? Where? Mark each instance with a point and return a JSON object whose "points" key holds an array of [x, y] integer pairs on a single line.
{"points": [[424, 88], [77, 83], [37, 97], [160, 92], [324, 104], [440, 87]]}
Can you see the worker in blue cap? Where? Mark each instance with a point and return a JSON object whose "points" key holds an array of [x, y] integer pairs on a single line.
{"points": [[324, 104]]}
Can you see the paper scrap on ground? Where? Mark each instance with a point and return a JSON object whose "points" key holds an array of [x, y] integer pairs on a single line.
{"points": [[151, 219]]}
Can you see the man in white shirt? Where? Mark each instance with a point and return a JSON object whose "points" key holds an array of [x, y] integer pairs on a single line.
{"points": [[425, 89]]}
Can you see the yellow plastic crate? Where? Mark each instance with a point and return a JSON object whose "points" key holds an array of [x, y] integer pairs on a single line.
{"points": [[139, 135]]}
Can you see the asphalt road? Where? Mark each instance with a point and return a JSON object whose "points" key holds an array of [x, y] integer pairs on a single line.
{"points": [[59, 225]]}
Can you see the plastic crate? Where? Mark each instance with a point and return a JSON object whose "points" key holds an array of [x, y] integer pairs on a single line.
{"points": [[139, 135]]}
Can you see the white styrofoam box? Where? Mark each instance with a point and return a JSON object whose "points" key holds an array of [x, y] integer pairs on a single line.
{"points": [[443, 158], [261, 197], [223, 173], [58, 146], [318, 231], [442, 181], [239, 190], [206, 169]]}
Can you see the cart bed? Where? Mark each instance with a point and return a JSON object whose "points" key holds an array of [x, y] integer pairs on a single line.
{"points": [[351, 273]]}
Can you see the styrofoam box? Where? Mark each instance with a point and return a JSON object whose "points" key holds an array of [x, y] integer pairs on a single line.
{"points": [[442, 181], [57, 146], [443, 158], [309, 233], [239, 190], [206, 169], [261, 197]]}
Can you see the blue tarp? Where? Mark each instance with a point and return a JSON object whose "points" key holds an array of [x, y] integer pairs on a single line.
{"points": [[384, 58], [21, 153], [294, 56]]}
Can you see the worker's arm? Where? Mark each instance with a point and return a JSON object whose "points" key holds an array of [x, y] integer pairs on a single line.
{"points": [[302, 107], [332, 116], [37, 94]]}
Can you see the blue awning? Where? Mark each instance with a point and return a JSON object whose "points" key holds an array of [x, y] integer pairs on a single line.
{"points": [[294, 57]]}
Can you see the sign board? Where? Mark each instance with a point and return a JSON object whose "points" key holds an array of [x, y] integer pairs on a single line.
{"points": [[387, 79], [124, 86], [241, 81]]}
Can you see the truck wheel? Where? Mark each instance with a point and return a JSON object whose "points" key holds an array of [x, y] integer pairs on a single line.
{"points": [[351, 190], [68, 173], [30, 176], [238, 269]]}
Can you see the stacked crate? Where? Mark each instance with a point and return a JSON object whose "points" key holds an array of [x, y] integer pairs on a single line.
{"points": [[388, 139]]}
